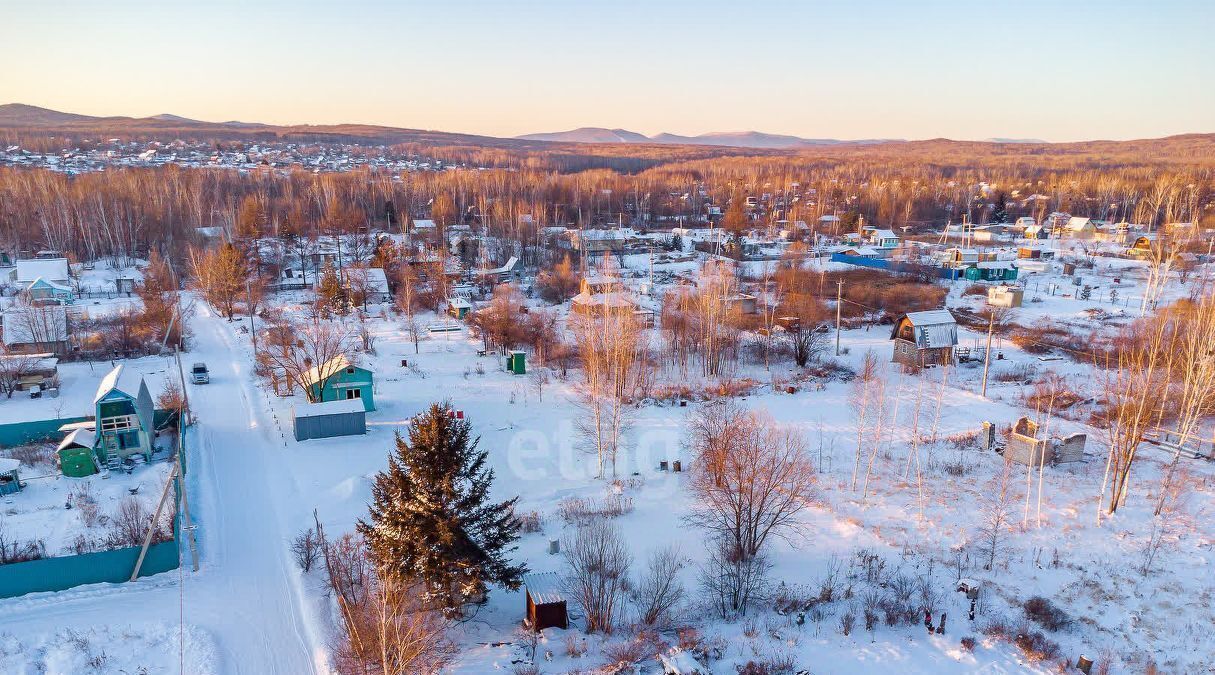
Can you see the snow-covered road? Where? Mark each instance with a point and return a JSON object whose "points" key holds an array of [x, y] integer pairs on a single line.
{"points": [[247, 594]]}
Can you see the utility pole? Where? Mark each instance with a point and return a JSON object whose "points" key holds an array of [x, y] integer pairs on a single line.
{"points": [[839, 302], [147, 537], [188, 528], [249, 307], [991, 323]]}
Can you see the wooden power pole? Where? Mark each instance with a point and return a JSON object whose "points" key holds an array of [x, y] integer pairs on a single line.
{"points": [[839, 302], [991, 322]]}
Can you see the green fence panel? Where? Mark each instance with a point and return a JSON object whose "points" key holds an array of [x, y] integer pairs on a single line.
{"points": [[64, 572], [20, 433]]}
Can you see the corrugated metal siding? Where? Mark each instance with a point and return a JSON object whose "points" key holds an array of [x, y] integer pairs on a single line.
{"points": [[329, 426]]}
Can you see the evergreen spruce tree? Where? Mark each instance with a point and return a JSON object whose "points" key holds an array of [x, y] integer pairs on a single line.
{"points": [[430, 518], [999, 213], [330, 295]]}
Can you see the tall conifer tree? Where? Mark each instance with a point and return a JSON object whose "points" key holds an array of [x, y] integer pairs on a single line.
{"points": [[430, 517]]}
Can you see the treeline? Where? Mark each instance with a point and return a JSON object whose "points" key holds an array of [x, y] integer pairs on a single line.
{"points": [[133, 211]]}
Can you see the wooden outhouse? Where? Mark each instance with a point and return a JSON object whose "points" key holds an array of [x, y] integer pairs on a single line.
{"points": [[545, 604]]}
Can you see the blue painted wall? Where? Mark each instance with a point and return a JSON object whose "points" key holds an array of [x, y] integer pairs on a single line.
{"points": [[20, 433], [57, 574]]}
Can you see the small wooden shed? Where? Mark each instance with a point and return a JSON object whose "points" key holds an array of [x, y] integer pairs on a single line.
{"points": [[10, 482], [545, 604], [925, 338], [346, 417], [1005, 296]]}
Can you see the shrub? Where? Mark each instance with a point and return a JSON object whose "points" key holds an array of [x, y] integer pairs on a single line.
{"points": [[689, 638], [997, 628], [579, 510], [645, 646], [1045, 613], [306, 549], [530, 522], [968, 643], [772, 665], [1035, 646], [847, 621]]}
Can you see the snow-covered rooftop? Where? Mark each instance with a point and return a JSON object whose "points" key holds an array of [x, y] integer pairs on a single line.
{"points": [[51, 269], [342, 407], [32, 325], [544, 587]]}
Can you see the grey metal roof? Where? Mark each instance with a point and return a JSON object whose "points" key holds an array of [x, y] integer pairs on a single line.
{"points": [[544, 587]]}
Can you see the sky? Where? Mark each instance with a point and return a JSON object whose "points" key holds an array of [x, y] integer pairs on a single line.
{"points": [[1055, 70]]}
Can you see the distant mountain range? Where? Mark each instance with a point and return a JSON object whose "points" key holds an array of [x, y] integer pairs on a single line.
{"points": [[32, 119], [738, 139]]}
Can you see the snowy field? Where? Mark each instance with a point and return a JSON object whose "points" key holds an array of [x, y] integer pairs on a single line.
{"points": [[249, 609]]}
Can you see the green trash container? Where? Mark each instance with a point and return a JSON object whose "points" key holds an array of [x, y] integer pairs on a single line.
{"points": [[517, 363]]}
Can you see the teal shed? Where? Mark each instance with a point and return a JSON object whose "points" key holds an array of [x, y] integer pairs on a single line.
{"points": [[516, 363], [339, 379], [10, 482]]}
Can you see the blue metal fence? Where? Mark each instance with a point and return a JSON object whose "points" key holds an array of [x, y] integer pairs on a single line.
{"points": [[895, 266], [20, 433]]}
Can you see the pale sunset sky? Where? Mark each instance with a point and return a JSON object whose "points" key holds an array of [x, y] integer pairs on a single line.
{"points": [[1055, 70]]}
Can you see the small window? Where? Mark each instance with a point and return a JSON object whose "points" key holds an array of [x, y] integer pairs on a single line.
{"points": [[350, 371], [354, 393]]}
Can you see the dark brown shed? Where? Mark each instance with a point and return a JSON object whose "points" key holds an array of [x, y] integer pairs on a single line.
{"points": [[545, 604]]}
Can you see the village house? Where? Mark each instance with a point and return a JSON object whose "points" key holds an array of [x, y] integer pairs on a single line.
{"points": [[598, 284], [458, 307], [925, 338], [35, 329], [597, 244], [1036, 232], [36, 374], [1143, 245], [1080, 228], [44, 279], [122, 429], [338, 379], [371, 281]]}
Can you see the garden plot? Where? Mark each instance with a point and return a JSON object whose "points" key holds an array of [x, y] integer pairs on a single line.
{"points": [[55, 516]]}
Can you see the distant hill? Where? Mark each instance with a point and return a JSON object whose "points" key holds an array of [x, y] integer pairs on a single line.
{"points": [[734, 139], [166, 117], [1013, 140], [32, 119], [20, 114], [589, 135], [577, 149]]}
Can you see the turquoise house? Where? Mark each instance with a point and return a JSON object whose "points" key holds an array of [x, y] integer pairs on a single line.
{"points": [[122, 428], [125, 418], [43, 289], [340, 380]]}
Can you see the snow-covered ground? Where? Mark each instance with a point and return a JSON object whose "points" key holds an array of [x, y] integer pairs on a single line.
{"points": [[136, 649], [252, 487], [57, 511]]}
